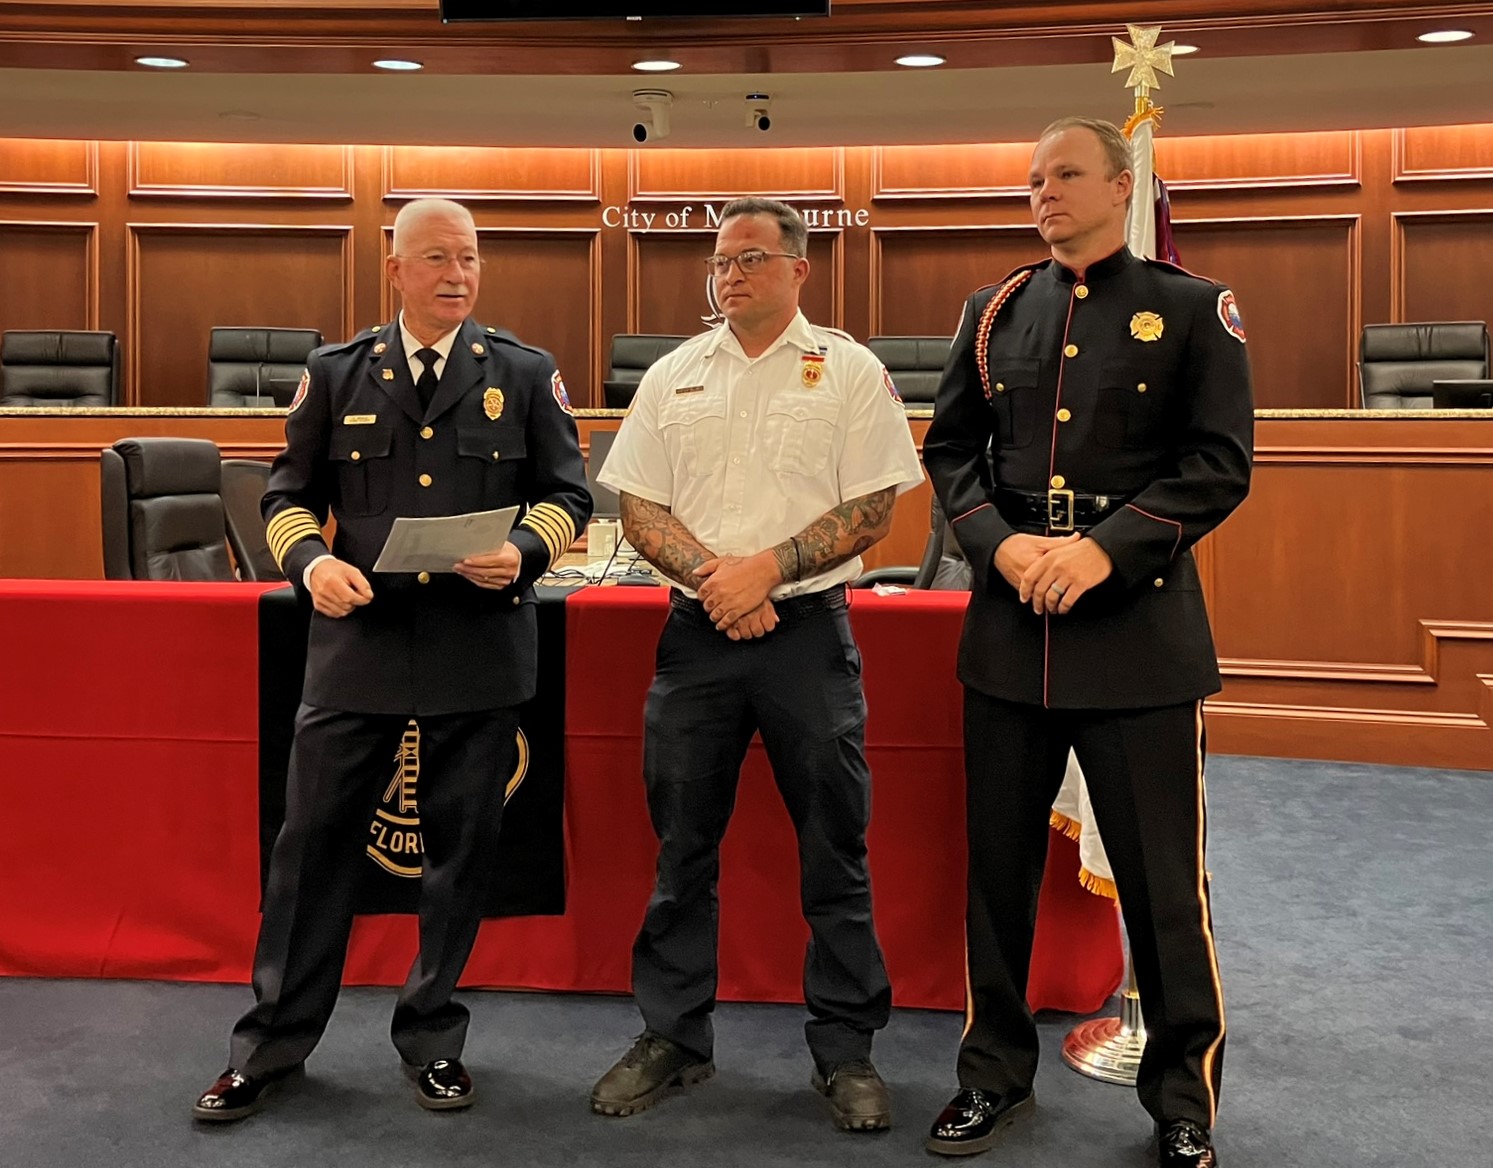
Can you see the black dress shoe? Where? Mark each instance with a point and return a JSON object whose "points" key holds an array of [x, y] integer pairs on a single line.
{"points": [[442, 1085], [235, 1095], [1184, 1144], [973, 1119]]}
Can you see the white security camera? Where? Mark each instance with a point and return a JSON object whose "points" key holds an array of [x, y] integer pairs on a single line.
{"points": [[654, 105], [757, 116]]}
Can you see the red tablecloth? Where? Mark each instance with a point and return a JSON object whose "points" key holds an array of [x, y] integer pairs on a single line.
{"points": [[128, 808]]}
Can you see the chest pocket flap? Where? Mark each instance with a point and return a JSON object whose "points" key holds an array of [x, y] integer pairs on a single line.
{"points": [[693, 427], [356, 443], [800, 432], [491, 444]]}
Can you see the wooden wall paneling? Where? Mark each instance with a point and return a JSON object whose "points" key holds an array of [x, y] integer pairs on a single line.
{"points": [[1442, 153], [51, 275], [544, 286], [485, 173], [48, 167], [1297, 281], [804, 175], [223, 170], [666, 280], [184, 279], [1250, 162], [1439, 265], [994, 170], [921, 276]]}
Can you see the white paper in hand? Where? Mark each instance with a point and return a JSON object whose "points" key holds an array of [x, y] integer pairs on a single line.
{"points": [[436, 544]]}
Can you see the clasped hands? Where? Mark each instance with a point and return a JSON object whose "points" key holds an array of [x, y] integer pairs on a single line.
{"points": [[734, 593], [337, 587], [1051, 572]]}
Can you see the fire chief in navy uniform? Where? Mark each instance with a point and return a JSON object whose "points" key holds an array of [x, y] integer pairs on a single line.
{"points": [[1094, 422], [430, 415]]}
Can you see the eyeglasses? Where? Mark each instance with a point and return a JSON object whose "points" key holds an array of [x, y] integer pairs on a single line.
{"points": [[748, 261], [439, 261]]}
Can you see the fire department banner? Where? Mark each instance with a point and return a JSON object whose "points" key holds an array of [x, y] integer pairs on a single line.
{"points": [[531, 862]]}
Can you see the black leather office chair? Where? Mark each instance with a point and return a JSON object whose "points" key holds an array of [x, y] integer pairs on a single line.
{"points": [[916, 365], [52, 368], [1398, 362], [163, 510], [244, 481], [943, 566], [632, 354], [246, 365]]}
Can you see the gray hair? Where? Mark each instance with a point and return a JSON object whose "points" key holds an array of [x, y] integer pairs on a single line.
{"points": [[791, 229], [416, 213]]}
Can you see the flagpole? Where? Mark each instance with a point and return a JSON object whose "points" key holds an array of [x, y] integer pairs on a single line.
{"points": [[1110, 1049]]}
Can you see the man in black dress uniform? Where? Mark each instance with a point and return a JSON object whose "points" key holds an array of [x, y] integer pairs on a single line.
{"points": [[429, 415], [1094, 422]]}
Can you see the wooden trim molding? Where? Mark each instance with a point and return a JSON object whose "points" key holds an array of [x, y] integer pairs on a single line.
{"points": [[91, 256], [1398, 221], [1402, 172], [636, 193], [390, 193], [89, 187], [138, 189]]}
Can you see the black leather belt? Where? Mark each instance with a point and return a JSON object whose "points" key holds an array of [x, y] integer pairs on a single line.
{"points": [[1058, 510], [790, 608]]}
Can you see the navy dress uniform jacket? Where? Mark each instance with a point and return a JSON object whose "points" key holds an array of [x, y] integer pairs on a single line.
{"points": [[1132, 384], [498, 432]]}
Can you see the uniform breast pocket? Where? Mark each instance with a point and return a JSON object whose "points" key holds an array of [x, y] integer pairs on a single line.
{"points": [[1014, 385], [693, 426], [799, 433], [490, 463], [361, 456], [1131, 396]]}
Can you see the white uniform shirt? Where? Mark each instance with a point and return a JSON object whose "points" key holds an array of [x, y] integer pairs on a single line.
{"points": [[747, 451]]}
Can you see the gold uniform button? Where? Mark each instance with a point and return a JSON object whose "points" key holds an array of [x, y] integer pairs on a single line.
{"points": [[426, 480], [517, 599], [1063, 415], [355, 455], [1141, 388], [423, 577], [1000, 387], [1058, 482], [426, 432], [1082, 291], [1070, 351], [1159, 581], [497, 454]]}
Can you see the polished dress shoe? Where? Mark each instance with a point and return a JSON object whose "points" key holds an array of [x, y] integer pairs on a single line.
{"points": [[442, 1085], [857, 1096], [1184, 1144], [972, 1120], [653, 1068], [235, 1094]]}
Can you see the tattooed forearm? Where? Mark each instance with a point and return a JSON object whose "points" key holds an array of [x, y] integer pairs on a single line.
{"points": [[836, 536], [663, 540]]}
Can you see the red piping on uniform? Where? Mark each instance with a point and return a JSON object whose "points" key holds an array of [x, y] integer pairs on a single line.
{"points": [[1159, 519], [967, 514], [1052, 457]]}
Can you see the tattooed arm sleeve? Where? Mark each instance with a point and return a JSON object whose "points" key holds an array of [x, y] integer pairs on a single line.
{"points": [[663, 540], [840, 534]]}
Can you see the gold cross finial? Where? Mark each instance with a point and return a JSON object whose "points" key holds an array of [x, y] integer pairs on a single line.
{"points": [[1143, 57]]}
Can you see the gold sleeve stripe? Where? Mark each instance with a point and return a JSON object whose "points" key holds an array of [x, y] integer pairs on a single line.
{"points": [[562, 517], [554, 526], [553, 530], [288, 528], [547, 534]]}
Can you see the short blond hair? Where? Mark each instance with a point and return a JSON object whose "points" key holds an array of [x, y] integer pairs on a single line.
{"points": [[1111, 138]]}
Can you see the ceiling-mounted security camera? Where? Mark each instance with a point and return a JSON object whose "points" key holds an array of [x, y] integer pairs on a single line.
{"points": [[757, 116], [654, 105]]}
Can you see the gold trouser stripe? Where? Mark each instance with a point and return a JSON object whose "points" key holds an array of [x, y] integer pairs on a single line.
{"points": [[1207, 919], [288, 528], [969, 994]]}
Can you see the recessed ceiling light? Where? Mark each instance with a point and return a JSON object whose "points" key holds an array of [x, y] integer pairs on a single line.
{"points": [[161, 62], [395, 65], [658, 66], [1183, 50], [921, 60], [1449, 36]]}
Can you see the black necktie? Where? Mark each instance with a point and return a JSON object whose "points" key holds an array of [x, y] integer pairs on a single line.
{"points": [[425, 387]]}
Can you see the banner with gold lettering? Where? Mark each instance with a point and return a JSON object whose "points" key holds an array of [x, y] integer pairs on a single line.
{"points": [[531, 877]]}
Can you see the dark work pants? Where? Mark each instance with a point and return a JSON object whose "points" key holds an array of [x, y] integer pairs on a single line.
{"points": [[800, 687], [1144, 774], [339, 766]]}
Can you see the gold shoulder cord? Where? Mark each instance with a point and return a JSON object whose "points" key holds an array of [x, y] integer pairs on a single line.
{"points": [[987, 320]]}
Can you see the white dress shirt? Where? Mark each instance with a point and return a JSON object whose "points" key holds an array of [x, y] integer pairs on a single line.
{"points": [[747, 451]]}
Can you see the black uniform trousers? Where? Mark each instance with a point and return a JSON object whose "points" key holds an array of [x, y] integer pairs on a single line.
{"points": [[1144, 773], [800, 687], [340, 765]]}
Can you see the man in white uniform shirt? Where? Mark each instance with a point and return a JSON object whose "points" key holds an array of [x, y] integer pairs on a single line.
{"points": [[758, 462]]}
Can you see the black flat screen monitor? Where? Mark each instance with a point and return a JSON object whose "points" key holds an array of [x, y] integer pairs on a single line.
{"points": [[282, 389], [453, 10], [1462, 394]]}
